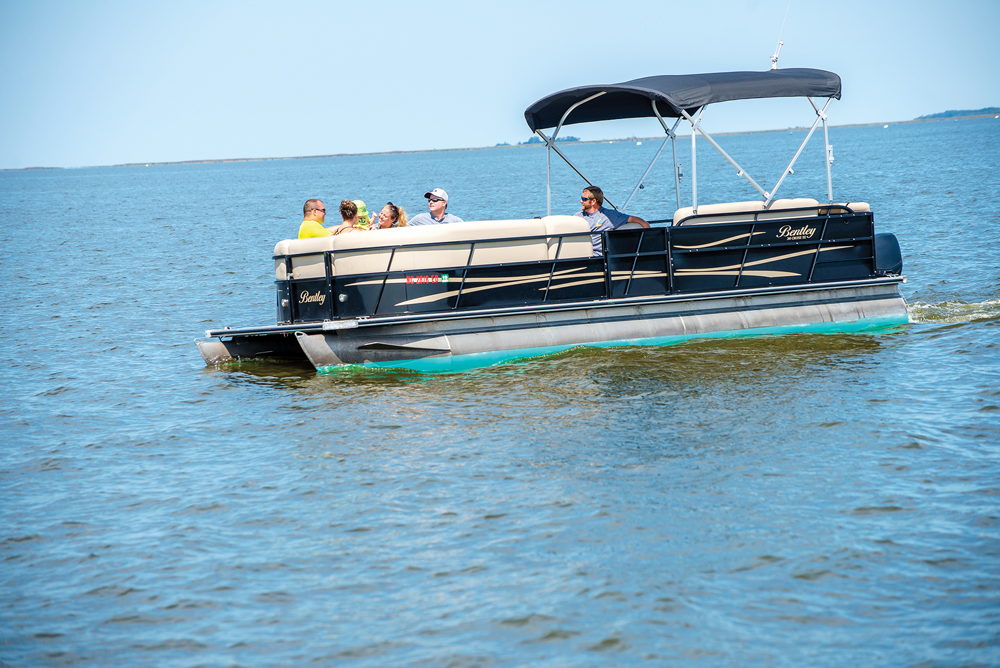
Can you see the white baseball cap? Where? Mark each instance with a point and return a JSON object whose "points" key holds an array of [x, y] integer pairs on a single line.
{"points": [[437, 192]]}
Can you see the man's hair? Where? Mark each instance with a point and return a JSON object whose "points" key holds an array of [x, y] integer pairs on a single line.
{"points": [[348, 209], [597, 193], [310, 205]]}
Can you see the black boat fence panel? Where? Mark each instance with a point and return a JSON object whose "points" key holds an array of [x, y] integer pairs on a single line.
{"points": [[638, 262], [466, 288], [831, 244], [311, 300]]}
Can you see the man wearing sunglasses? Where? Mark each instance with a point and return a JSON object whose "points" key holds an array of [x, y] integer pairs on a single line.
{"points": [[601, 219], [436, 214], [313, 214]]}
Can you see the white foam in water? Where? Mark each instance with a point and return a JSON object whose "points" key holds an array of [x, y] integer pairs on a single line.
{"points": [[955, 311]]}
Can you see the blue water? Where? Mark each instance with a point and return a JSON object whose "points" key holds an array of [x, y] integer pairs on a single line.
{"points": [[802, 499]]}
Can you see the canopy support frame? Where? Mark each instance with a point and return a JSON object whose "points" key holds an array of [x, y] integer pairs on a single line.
{"points": [[696, 129], [672, 138], [820, 117], [828, 148], [550, 145], [642, 178]]}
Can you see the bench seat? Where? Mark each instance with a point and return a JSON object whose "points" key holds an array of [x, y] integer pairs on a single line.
{"points": [[742, 212], [490, 242]]}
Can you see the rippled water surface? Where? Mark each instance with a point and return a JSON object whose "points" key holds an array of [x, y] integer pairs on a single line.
{"points": [[795, 500]]}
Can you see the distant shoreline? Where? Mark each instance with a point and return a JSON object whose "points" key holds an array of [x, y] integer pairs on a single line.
{"points": [[501, 146]]}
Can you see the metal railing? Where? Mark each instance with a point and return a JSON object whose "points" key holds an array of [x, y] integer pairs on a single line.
{"points": [[648, 253]]}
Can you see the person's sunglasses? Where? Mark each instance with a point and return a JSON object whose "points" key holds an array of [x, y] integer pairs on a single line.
{"points": [[586, 199], [434, 199]]}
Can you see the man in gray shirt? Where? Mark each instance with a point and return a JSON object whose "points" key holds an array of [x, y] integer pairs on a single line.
{"points": [[600, 218], [437, 205]]}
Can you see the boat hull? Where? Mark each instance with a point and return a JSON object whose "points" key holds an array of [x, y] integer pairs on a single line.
{"points": [[469, 341]]}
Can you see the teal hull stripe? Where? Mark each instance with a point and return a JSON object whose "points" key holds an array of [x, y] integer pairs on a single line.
{"points": [[459, 363]]}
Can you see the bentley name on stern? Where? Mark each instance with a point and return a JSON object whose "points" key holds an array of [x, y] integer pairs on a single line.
{"points": [[796, 233], [318, 297]]}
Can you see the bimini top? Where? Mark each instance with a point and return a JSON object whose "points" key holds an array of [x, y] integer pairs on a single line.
{"points": [[675, 92]]}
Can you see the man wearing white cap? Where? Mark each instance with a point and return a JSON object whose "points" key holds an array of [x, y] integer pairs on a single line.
{"points": [[436, 214]]}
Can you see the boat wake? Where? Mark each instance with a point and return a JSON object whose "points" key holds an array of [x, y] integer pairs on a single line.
{"points": [[954, 311]]}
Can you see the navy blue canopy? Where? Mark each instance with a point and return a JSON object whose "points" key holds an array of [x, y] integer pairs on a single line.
{"points": [[674, 92]]}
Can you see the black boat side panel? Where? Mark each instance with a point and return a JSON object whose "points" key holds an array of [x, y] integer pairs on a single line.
{"points": [[639, 263]]}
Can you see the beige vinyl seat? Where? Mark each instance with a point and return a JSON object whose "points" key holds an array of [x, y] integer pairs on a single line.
{"points": [[856, 207], [741, 212], [415, 248]]}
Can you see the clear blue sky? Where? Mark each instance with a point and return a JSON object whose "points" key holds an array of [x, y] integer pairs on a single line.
{"points": [[96, 82]]}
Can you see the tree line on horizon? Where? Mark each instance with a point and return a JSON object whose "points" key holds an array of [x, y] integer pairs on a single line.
{"points": [[535, 140], [961, 112]]}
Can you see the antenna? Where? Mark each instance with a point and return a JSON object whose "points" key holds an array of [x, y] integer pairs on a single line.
{"points": [[774, 56], [781, 33]]}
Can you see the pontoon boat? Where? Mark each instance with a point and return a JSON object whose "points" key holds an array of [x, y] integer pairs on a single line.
{"points": [[465, 295]]}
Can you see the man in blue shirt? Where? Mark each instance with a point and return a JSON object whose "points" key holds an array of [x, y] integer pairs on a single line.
{"points": [[601, 219], [436, 214]]}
